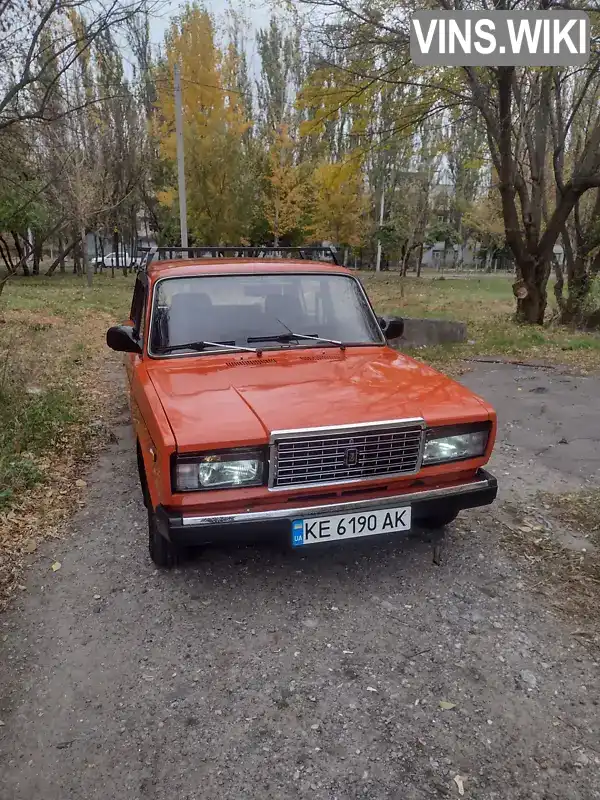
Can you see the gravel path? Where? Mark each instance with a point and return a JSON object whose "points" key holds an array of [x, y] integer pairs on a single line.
{"points": [[260, 674]]}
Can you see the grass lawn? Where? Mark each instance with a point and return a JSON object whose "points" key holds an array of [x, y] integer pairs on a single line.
{"points": [[487, 305], [56, 400], [52, 360]]}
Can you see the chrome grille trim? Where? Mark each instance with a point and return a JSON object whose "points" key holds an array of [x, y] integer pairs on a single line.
{"points": [[317, 456]]}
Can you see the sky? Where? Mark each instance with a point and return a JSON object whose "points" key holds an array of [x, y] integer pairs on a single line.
{"points": [[255, 10]]}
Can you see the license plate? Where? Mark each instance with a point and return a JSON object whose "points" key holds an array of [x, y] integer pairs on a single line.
{"points": [[317, 530]]}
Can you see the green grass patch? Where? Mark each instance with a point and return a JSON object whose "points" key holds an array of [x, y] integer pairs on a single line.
{"points": [[51, 347], [579, 343], [32, 425], [487, 305], [68, 295]]}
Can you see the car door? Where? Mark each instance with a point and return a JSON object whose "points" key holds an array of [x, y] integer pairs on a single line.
{"points": [[137, 318], [142, 416]]}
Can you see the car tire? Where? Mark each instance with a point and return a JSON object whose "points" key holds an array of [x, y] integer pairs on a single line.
{"points": [[439, 520], [162, 552]]}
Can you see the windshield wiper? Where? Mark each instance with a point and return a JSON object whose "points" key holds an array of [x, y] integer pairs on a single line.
{"points": [[290, 336], [199, 346]]}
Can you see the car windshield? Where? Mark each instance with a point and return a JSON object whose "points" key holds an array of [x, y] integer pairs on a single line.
{"points": [[241, 310]]}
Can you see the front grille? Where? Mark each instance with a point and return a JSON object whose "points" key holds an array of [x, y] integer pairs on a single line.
{"points": [[345, 455]]}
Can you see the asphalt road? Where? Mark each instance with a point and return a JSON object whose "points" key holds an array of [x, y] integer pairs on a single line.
{"points": [[256, 673]]}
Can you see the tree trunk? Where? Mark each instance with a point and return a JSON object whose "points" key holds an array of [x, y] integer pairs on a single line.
{"points": [[3, 282], [579, 284], [60, 258], [22, 259], [420, 260], [489, 259], [5, 253], [76, 256], [532, 307], [115, 251], [18, 247], [95, 253], [87, 265], [405, 256], [11, 267], [37, 253], [559, 286]]}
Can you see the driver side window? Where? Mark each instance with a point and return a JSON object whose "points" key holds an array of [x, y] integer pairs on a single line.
{"points": [[138, 306]]}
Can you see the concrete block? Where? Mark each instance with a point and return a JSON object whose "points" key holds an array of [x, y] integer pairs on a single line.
{"points": [[428, 332]]}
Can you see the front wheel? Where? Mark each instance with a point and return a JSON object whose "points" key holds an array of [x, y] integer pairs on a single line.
{"points": [[163, 552], [438, 520]]}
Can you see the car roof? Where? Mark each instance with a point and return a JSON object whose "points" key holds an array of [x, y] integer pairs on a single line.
{"points": [[242, 266]]}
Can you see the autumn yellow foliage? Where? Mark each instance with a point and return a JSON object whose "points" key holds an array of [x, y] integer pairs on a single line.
{"points": [[340, 201], [286, 187], [213, 129]]}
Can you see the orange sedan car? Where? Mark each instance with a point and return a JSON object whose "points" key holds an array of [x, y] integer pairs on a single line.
{"points": [[266, 401]]}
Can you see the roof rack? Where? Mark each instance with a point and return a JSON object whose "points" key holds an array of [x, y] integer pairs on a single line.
{"points": [[150, 254]]}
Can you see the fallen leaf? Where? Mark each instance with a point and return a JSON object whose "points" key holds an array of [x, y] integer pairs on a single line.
{"points": [[459, 781], [56, 566], [446, 706], [80, 483], [371, 689]]}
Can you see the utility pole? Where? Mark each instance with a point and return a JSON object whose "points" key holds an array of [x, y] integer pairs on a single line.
{"points": [[378, 260], [180, 159]]}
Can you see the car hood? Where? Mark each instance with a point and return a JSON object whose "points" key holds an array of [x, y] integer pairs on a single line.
{"points": [[220, 401]]}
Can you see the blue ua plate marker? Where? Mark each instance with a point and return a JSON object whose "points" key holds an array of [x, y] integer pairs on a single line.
{"points": [[297, 532]]}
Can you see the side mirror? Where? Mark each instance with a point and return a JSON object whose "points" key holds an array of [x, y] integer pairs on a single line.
{"points": [[122, 339], [392, 327]]}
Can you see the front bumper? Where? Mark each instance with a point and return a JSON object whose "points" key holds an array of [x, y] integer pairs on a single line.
{"points": [[188, 530]]}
